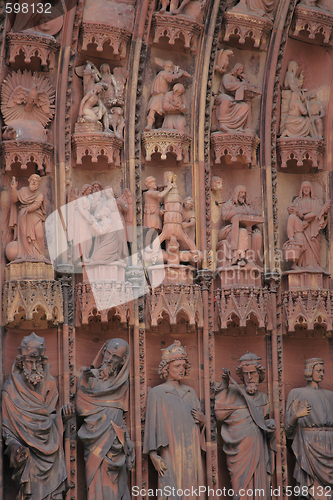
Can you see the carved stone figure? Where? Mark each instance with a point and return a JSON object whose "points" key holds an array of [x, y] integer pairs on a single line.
{"points": [[189, 220], [174, 108], [173, 422], [231, 112], [117, 121], [27, 216], [152, 203], [309, 423], [32, 429], [79, 222], [246, 430], [256, 7], [316, 113], [161, 85], [240, 239], [27, 105], [297, 122], [222, 60], [92, 109], [102, 402], [293, 82], [307, 216]]}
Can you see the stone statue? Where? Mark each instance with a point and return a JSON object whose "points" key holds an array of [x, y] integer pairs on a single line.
{"points": [[27, 216], [303, 118], [316, 113], [246, 430], [293, 82], [27, 106], [117, 121], [257, 7], [173, 422], [152, 207], [174, 108], [240, 239], [32, 429], [222, 60], [92, 109], [231, 111], [79, 222], [161, 85], [102, 402], [307, 216], [189, 220], [309, 423]]}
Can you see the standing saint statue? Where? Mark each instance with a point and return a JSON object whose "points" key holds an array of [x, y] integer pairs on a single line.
{"points": [[173, 422], [102, 401], [27, 216], [246, 430], [307, 216], [31, 427], [309, 423]]}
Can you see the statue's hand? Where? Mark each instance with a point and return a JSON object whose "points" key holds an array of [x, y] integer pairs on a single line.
{"points": [[13, 184], [271, 425], [198, 416], [24, 211], [159, 464], [225, 374], [304, 409], [21, 455], [87, 373], [67, 411], [130, 458]]}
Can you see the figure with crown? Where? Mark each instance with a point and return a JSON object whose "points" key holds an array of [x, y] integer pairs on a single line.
{"points": [[32, 429], [173, 424], [246, 430], [309, 423]]}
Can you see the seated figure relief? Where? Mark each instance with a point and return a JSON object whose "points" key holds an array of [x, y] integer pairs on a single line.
{"points": [[307, 217], [240, 239], [262, 8]]}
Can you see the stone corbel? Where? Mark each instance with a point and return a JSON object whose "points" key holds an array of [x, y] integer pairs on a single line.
{"points": [[175, 27], [24, 152], [99, 34], [42, 46], [165, 141], [89, 143], [308, 309], [312, 25], [244, 26], [301, 150], [239, 146]]}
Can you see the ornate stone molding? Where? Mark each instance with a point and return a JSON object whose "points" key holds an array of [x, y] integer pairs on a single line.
{"points": [[25, 152], [96, 144], [110, 295], [23, 298], [167, 141], [174, 299], [303, 149], [173, 27], [236, 145], [33, 44], [99, 34], [311, 25], [243, 26], [243, 303], [308, 308]]}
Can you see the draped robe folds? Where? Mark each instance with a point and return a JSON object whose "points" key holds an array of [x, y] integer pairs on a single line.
{"points": [[104, 434], [244, 443], [310, 258], [30, 420], [257, 7], [79, 227], [171, 430], [161, 86], [30, 238], [312, 436], [231, 113]]}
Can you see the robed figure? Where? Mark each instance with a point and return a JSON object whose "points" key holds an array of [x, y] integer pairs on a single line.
{"points": [[102, 401], [32, 429], [173, 423], [246, 430], [309, 423]]}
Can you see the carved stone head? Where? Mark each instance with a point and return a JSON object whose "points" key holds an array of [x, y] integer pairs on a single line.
{"points": [[250, 371], [174, 352], [31, 359], [34, 181], [309, 367], [114, 356]]}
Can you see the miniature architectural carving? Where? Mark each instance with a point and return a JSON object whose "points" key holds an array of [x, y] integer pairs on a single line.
{"points": [[307, 217], [103, 35], [249, 19], [27, 101], [240, 239], [312, 23], [173, 422], [102, 401], [301, 125], [249, 453], [29, 403], [309, 424], [42, 46], [309, 304], [232, 113], [27, 216]]}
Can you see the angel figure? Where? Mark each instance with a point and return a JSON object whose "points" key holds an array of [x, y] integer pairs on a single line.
{"points": [[90, 75]]}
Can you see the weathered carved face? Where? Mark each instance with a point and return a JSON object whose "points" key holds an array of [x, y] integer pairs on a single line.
{"points": [[33, 369], [306, 188], [168, 67], [112, 360], [251, 378], [33, 184], [152, 184], [189, 203], [318, 373], [242, 196], [176, 370]]}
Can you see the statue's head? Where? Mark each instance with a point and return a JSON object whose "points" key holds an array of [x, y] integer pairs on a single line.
{"points": [[114, 354], [216, 183], [250, 371], [306, 189], [105, 68], [32, 359], [314, 370], [96, 186], [178, 89], [86, 189], [175, 364], [150, 182], [292, 67], [239, 196], [238, 69], [34, 181], [168, 66], [188, 202]]}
